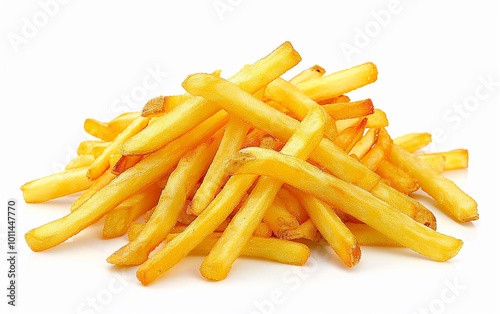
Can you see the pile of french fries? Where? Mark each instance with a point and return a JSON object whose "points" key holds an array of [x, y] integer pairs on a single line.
{"points": [[252, 166]]}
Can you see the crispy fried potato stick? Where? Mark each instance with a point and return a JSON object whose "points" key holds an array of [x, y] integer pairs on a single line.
{"points": [[108, 131], [350, 136], [218, 263], [55, 185], [454, 159], [413, 141], [123, 163], [367, 236], [80, 161], [307, 230], [281, 126], [338, 83], [233, 138], [308, 74], [293, 205], [348, 198], [190, 169], [452, 199], [334, 100], [101, 163], [118, 220], [331, 228], [377, 153], [126, 184], [397, 177], [437, 162], [85, 147], [218, 210], [365, 143], [350, 110], [163, 104], [170, 126], [99, 148]]}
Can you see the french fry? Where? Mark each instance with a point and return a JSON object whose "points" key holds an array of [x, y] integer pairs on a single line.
{"points": [[377, 120], [80, 161], [350, 110], [253, 138], [96, 185], [101, 163], [293, 205], [108, 131], [85, 147], [307, 230], [454, 159], [134, 230], [334, 100], [243, 105], [348, 198], [118, 220], [233, 138], [367, 236], [453, 200], [365, 143], [279, 219], [125, 185], [173, 124], [162, 104], [260, 206], [436, 162], [56, 185], [189, 170], [397, 177], [123, 163], [99, 148], [338, 83], [413, 141], [350, 136], [331, 228], [308, 74], [377, 153]]}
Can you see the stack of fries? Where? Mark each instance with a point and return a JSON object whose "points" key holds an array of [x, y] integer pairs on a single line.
{"points": [[247, 166]]}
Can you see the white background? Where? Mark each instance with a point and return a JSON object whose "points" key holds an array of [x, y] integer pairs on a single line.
{"points": [[432, 56]]}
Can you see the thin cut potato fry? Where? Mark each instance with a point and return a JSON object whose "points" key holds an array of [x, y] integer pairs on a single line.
{"points": [[377, 153], [99, 148], [293, 205], [124, 163], [350, 136], [365, 143], [125, 185], [334, 100], [134, 230], [253, 138], [162, 104], [350, 110], [233, 138], [331, 228], [377, 120], [97, 185], [297, 102], [101, 163], [279, 219], [108, 131], [307, 230], [259, 205], [55, 185], [437, 162], [454, 159], [80, 161], [171, 125], [189, 170], [338, 83], [348, 198], [243, 105], [413, 141], [367, 236], [218, 210], [308, 74], [85, 147], [397, 177], [118, 220], [452, 199]]}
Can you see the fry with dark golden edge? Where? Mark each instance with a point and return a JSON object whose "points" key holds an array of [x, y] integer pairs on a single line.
{"points": [[397, 177], [350, 136], [80, 161], [348, 198], [124, 163], [452, 199], [308, 74], [162, 104], [365, 143], [173, 124], [377, 153], [413, 141], [331, 228], [55, 185], [307, 230], [125, 185], [217, 264], [454, 159], [190, 169], [350, 110]]}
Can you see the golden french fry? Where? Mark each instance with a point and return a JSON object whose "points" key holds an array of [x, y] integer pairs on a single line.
{"points": [[163, 104], [331, 228], [293, 205], [377, 153], [367, 236], [334, 100], [365, 143], [454, 159], [125, 185], [350, 110], [377, 120], [56, 185], [96, 185], [350, 136], [413, 141], [123, 163], [233, 138], [108, 131], [99, 148], [452, 199], [253, 138], [102, 163], [118, 220], [348, 198], [189, 170], [437, 162], [338, 83], [85, 147], [173, 124], [80, 161], [397, 177], [134, 230], [243, 105], [257, 207], [307, 230], [308, 74]]}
